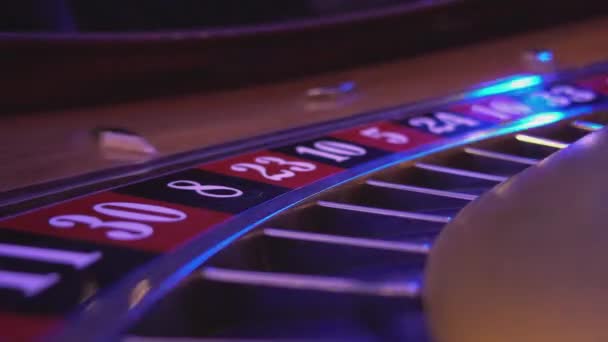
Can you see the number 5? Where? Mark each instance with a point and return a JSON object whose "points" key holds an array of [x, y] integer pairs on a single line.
{"points": [[390, 137]]}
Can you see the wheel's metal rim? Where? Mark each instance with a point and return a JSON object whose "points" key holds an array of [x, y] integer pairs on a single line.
{"points": [[107, 317]]}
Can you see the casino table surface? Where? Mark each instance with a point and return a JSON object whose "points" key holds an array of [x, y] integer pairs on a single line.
{"points": [[250, 241], [183, 123]]}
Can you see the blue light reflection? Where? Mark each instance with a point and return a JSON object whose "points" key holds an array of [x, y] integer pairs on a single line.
{"points": [[593, 126], [544, 56], [507, 85], [531, 121], [540, 119]]}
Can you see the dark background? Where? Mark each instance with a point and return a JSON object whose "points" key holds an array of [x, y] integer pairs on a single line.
{"points": [[155, 15]]}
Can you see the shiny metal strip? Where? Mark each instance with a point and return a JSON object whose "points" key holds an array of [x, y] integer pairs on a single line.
{"points": [[586, 125], [385, 212], [115, 312], [406, 247], [461, 172], [411, 188], [309, 282], [500, 156], [530, 139]]}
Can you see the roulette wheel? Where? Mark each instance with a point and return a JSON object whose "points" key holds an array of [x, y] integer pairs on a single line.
{"points": [[251, 183]]}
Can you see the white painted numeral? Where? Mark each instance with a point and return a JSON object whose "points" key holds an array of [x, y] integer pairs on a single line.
{"points": [[510, 107], [78, 260], [564, 95], [122, 230], [334, 150], [443, 122], [139, 212], [30, 284], [552, 100], [118, 230], [577, 95], [390, 137], [502, 109], [290, 170], [215, 191]]}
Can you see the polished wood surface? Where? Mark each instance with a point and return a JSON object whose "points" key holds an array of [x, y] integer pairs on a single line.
{"points": [[45, 146], [47, 69]]}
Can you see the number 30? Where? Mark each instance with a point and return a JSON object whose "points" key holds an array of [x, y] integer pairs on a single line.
{"points": [[122, 230]]}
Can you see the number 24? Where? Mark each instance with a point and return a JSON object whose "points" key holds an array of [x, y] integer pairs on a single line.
{"points": [[442, 122]]}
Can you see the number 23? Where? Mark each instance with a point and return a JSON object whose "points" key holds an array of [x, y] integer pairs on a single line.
{"points": [[290, 170]]}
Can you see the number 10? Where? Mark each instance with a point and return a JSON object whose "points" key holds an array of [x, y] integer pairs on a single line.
{"points": [[334, 150]]}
